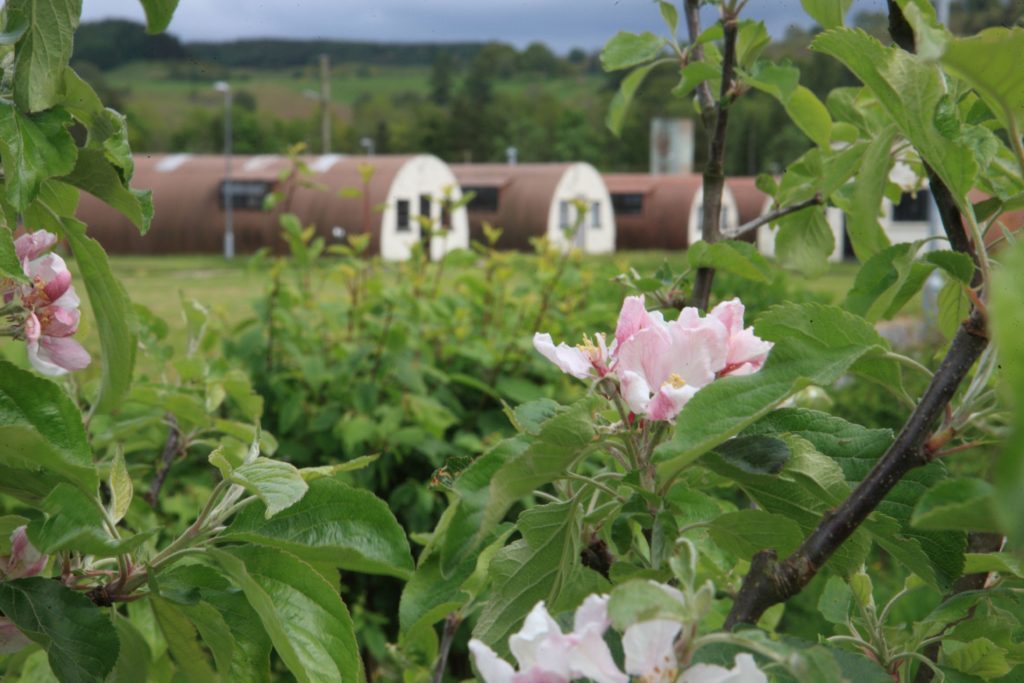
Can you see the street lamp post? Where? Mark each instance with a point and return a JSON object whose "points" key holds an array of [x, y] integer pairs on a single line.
{"points": [[228, 195]]}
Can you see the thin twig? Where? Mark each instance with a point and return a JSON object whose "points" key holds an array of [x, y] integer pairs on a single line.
{"points": [[171, 449], [771, 217], [451, 625]]}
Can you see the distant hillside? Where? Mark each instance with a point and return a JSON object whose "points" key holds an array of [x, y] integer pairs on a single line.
{"points": [[277, 53], [115, 42]]}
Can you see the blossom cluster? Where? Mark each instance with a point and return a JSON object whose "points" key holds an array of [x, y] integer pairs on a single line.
{"points": [[46, 309], [24, 561], [661, 364], [547, 655]]}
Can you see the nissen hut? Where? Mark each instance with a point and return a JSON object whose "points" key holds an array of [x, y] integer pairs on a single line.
{"points": [[382, 196], [539, 200], [662, 211]]}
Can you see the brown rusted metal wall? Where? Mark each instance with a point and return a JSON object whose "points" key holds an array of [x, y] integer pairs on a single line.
{"points": [[749, 200], [664, 220], [188, 218], [525, 195]]}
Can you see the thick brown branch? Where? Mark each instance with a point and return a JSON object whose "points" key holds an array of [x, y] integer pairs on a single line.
{"points": [[770, 582], [775, 215], [714, 169], [171, 449]]}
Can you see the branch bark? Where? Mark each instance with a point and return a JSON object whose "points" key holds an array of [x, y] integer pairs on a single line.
{"points": [[172, 446], [715, 117], [771, 581], [772, 216]]}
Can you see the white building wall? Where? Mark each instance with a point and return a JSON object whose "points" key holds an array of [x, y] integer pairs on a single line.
{"points": [[422, 175], [581, 181], [730, 214]]}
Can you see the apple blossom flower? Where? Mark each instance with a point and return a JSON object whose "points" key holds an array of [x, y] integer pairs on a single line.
{"points": [[661, 365], [24, 560], [546, 655], [50, 306]]}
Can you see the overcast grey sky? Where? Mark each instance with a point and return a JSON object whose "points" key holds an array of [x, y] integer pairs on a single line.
{"points": [[562, 24]]}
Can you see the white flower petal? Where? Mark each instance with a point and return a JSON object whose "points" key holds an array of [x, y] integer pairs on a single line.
{"points": [[492, 668], [650, 650]]}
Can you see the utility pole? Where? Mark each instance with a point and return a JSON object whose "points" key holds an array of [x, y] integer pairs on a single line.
{"points": [[325, 104]]}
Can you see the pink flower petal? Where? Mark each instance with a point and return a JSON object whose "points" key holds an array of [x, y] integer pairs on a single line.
{"points": [[635, 391], [11, 639], [55, 356], [31, 245], [697, 352], [24, 560], [568, 359], [669, 400], [492, 668], [633, 317]]}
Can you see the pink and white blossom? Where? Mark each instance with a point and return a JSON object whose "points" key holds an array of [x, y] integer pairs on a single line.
{"points": [[546, 655], [11, 639], [32, 245], [24, 560], [661, 365]]}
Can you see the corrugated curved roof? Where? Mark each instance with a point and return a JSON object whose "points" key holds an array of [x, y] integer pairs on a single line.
{"points": [[749, 200]]}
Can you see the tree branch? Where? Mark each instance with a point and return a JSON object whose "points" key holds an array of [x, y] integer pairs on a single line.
{"points": [[171, 449], [451, 625], [770, 581], [775, 215], [716, 121]]}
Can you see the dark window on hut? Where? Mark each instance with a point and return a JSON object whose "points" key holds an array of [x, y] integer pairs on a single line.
{"points": [[484, 198], [246, 195], [912, 207], [595, 214], [403, 215], [425, 206], [626, 204], [563, 215]]}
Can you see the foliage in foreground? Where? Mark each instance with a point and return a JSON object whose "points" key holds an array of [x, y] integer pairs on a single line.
{"points": [[686, 509]]}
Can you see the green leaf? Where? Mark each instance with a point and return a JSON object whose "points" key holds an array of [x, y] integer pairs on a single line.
{"points": [[158, 14], [114, 315], [44, 50], [954, 306], [73, 521], [731, 256], [626, 49], [205, 588], [937, 557], [624, 97], [80, 642], [40, 428], [1004, 563], [959, 504], [560, 443], [980, 657], [866, 234], [33, 148], [909, 89], [134, 655], [55, 202], [887, 281], [987, 62], [1006, 312], [277, 484], [955, 263], [182, 642], [537, 567], [746, 532], [751, 39], [834, 603], [120, 483], [334, 523], [353, 465], [814, 344], [805, 241], [692, 75], [639, 600], [94, 173], [304, 616], [802, 105], [670, 15], [828, 13], [807, 486], [10, 267]]}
